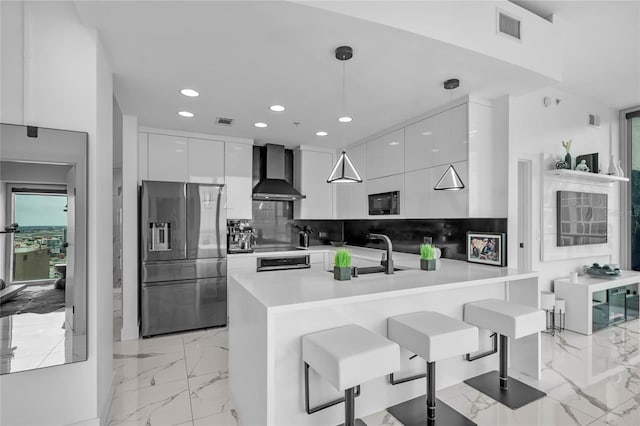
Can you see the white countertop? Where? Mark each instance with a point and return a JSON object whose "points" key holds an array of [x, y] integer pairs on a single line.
{"points": [[297, 288]]}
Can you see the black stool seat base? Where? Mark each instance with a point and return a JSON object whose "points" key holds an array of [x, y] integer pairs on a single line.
{"points": [[414, 413], [359, 422], [518, 394]]}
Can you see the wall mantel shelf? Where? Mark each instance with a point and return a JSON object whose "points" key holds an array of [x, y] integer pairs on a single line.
{"points": [[577, 175]]}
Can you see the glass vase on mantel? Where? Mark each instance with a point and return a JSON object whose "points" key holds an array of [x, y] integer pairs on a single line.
{"points": [[567, 159]]}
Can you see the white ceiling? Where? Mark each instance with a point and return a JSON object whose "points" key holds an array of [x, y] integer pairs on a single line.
{"points": [[244, 56]]}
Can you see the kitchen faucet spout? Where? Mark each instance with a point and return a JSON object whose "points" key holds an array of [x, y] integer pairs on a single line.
{"points": [[388, 268]]}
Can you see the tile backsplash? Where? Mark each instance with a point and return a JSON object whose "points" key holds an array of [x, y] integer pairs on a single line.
{"points": [[274, 225]]}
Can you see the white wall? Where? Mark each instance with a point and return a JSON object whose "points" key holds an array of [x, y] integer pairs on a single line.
{"points": [[65, 84], [536, 133]]}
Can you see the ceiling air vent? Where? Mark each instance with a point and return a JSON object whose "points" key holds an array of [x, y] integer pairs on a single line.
{"points": [[508, 25], [594, 120], [223, 121]]}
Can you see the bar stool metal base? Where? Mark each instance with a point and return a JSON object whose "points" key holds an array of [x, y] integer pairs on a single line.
{"points": [[414, 413], [518, 394]]}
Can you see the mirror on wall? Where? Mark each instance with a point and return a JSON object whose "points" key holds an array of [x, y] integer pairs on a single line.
{"points": [[43, 259]]}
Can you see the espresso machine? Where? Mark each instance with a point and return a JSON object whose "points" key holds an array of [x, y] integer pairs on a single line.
{"points": [[240, 236]]}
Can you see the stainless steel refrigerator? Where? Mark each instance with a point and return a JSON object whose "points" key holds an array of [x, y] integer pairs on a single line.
{"points": [[183, 277]]}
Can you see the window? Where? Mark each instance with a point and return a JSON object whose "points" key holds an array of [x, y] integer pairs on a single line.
{"points": [[39, 248]]}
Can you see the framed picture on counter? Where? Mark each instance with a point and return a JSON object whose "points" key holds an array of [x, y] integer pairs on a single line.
{"points": [[488, 248]]}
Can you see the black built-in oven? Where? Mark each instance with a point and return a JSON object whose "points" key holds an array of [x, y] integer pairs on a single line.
{"points": [[384, 203]]}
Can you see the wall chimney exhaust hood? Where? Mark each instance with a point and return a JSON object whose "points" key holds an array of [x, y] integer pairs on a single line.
{"points": [[272, 185]]}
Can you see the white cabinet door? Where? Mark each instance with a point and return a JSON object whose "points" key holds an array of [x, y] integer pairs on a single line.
{"points": [[351, 198], [238, 179], [311, 172], [419, 143], [385, 155], [168, 158], [452, 135], [387, 184], [417, 194], [206, 161], [450, 204]]}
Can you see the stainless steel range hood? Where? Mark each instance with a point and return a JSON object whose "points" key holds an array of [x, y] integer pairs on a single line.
{"points": [[272, 185]]}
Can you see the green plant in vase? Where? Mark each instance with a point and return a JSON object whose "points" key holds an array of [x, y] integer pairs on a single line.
{"points": [[342, 265], [427, 257]]}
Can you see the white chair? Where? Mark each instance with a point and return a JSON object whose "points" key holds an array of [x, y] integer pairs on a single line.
{"points": [[509, 320], [346, 357], [433, 337]]}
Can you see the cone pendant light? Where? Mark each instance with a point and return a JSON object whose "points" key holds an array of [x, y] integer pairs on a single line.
{"points": [[450, 180], [344, 170]]}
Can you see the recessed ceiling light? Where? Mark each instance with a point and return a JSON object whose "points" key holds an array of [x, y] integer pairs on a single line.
{"points": [[190, 93], [277, 108], [185, 114], [427, 133], [261, 125], [345, 119], [394, 143], [321, 133]]}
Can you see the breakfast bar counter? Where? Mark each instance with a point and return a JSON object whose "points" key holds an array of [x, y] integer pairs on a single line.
{"points": [[270, 311]]}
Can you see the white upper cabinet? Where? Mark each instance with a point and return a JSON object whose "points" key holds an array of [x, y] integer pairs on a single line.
{"points": [[420, 142], [168, 158], [352, 197], [417, 193], [385, 155], [206, 161], [459, 133], [238, 179], [311, 169], [451, 140]]}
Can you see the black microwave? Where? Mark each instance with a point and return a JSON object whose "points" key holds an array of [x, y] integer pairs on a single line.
{"points": [[384, 203]]}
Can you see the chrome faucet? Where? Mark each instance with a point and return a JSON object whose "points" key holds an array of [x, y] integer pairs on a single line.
{"points": [[388, 267]]}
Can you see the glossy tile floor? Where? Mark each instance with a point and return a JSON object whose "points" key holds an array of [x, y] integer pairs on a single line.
{"points": [[182, 379]]}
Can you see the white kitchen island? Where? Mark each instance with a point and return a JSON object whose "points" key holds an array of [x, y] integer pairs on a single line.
{"points": [[270, 311]]}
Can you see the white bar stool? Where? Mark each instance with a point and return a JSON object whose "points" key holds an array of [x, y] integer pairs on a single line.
{"points": [[548, 304], [509, 320], [433, 337], [346, 357]]}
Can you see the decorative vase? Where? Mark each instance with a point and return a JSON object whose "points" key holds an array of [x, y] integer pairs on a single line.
{"points": [[613, 171], [342, 274], [567, 159], [619, 168], [428, 264]]}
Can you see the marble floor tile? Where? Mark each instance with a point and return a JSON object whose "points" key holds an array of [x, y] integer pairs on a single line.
{"points": [[143, 370], [156, 345], [165, 404], [210, 338], [207, 360], [486, 411], [627, 414], [382, 418], [226, 418], [210, 394]]}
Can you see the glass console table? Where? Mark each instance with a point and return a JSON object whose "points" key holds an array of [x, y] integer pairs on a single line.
{"points": [[595, 303]]}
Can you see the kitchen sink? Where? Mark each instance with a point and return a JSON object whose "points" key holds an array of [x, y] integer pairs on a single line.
{"points": [[363, 270]]}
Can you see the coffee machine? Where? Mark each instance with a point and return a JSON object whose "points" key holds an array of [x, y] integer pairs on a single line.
{"points": [[240, 236]]}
